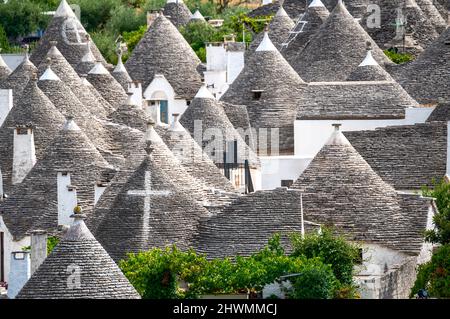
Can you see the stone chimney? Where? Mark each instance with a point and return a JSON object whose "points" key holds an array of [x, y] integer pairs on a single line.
{"points": [[135, 88], [38, 249], [6, 104], [100, 188], [24, 153], [176, 125], [67, 198], [20, 272]]}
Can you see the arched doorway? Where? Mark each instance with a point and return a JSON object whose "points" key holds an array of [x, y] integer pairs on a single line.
{"points": [[159, 104]]}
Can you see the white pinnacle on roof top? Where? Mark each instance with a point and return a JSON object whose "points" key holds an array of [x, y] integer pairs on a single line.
{"points": [[151, 135], [316, 3], [98, 69], [369, 60], [281, 12], [174, 1], [266, 44], [197, 16], [3, 63], [89, 56], [49, 75], [120, 67], [204, 93], [176, 125], [70, 125], [337, 138], [64, 10]]}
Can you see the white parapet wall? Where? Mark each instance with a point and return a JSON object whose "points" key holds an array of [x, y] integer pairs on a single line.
{"points": [[274, 169], [235, 64], [311, 135], [6, 104]]}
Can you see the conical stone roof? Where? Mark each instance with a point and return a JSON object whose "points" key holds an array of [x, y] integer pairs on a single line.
{"points": [[100, 277], [369, 70], [336, 49], [34, 108], [315, 15], [441, 113], [266, 10], [144, 208], [207, 113], [197, 16], [354, 100], [246, 225], [278, 30], [67, 74], [427, 78], [432, 14], [408, 157], [19, 78], [68, 104], [191, 156], [131, 115], [341, 189], [163, 50], [5, 71], [177, 12], [71, 36], [267, 73], [106, 85], [33, 204], [418, 26]]}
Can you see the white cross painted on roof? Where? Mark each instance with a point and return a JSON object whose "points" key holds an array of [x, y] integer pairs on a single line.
{"points": [[147, 193]]}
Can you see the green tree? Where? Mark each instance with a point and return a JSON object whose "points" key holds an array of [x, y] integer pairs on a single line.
{"points": [[332, 249], [434, 276], [95, 14], [4, 43], [21, 17], [105, 42], [125, 19], [441, 192]]}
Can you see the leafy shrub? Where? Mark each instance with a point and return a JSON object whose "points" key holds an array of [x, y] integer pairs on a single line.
{"points": [[52, 241], [315, 281], [434, 276], [441, 192], [332, 249], [155, 273], [398, 58]]}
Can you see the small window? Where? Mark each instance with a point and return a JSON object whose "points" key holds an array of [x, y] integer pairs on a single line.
{"points": [[257, 95], [287, 182], [22, 131], [359, 259]]}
